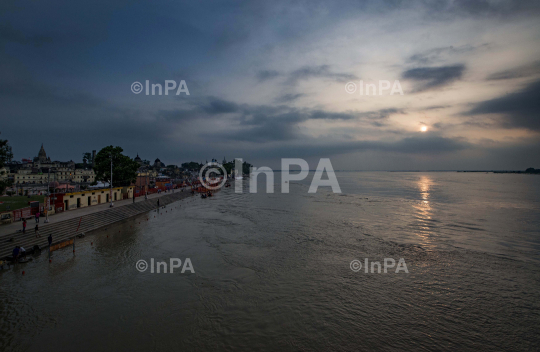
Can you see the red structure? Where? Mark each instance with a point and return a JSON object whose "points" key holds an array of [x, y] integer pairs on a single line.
{"points": [[163, 183], [142, 185]]}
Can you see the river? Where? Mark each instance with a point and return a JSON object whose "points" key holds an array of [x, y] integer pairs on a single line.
{"points": [[271, 272]]}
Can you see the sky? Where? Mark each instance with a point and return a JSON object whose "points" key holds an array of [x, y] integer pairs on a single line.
{"points": [[276, 79]]}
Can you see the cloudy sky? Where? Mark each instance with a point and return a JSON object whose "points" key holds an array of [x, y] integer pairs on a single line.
{"points": [[267, 80]]}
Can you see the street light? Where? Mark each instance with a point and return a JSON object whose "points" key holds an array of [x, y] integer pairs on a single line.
{"points": [[110, 193], [48, 195]]}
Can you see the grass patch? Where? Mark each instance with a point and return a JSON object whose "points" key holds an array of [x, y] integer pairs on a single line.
{"points": [[18, 202]]}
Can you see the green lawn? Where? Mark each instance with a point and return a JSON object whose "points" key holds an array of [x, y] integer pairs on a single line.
{"points": [[17, 202]]}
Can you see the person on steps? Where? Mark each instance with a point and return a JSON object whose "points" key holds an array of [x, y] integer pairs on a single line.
{"points": [[15, 254]]}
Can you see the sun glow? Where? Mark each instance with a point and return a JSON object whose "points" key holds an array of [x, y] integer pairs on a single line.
{"points": [[423, 129]]}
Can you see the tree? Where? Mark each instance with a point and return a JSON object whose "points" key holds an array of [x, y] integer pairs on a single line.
{"points": [[5, 152], [3, 185], [192, 166], [87, 158], [229, 167], [5, 156], [246, 168], [124, 168]]}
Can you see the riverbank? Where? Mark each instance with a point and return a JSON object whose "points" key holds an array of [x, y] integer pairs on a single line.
{"points": [[16, 227], [67, 227]]}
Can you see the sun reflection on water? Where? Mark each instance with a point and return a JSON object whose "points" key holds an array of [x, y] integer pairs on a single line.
{"points": [[423, 211]]}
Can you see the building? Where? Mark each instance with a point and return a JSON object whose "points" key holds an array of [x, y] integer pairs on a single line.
{"points": [[142, 184], [4, 173], [42, 156], [158, 164], [43, 161], [84, 175], [75, 200], [42, 170], [163, 182], [37, 176], [138, 160]]}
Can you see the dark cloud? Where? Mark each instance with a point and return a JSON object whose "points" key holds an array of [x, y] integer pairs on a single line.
{"points": [[177, 114], [479, 8], [269, 131], [287, 98], [519, 110], [417, 144], [325, 115], [10, 34], [434, 107], [434, 77], [322, 71], [266, 124], [381, 114], [518, 72], [439, 54], [265, 75], [305, 73], [428, 144], [206, 107], [219, 106]]}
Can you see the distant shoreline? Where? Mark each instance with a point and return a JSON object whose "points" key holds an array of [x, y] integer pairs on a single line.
{"points": [[532, 172]]}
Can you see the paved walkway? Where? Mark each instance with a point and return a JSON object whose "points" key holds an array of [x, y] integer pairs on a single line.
{"points": [[68, 228], [7, 230]]}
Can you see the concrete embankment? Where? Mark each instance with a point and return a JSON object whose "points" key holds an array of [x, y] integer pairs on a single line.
{"points": [[67, 229]]}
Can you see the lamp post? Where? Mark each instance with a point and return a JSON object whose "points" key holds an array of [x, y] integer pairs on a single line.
{"points": [[54, 192], [110, 193], [48, 195]]}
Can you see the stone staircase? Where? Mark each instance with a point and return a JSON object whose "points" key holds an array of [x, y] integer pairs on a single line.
{"points": [[64, 230]]}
